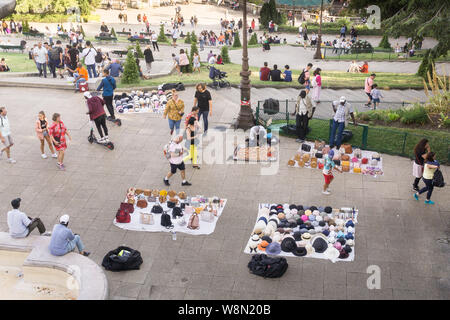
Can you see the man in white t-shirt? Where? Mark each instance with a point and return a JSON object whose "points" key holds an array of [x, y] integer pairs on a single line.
{"points": [[174, 37], [212, 60], [5, 135], [176, 151], [89, 54], [20, 225], [40, 57]]}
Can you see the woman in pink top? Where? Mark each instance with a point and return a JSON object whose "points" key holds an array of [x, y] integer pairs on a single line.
{"points": [[184, 62], [41, 128], [368, 88], [317, 85]]}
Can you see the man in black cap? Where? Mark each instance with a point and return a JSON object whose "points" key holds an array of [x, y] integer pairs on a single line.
{"points": [[20, 226]]}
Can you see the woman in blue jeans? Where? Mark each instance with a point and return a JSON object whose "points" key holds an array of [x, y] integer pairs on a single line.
{"points": [[203, 100], [430, 167]]}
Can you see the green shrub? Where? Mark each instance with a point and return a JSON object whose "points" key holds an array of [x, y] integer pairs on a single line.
{"points": [[138, 49], [225, 55], [237, 41], [187, 39], [414, 115], [253, 39], [385, 42], [162, 37], [392, 116], [193, 37], [426, 65], [269, 12], [131, 70]]}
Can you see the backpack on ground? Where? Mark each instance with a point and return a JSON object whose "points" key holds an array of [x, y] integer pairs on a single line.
{"points": [[194, 222], [166, 221], [122, 258], [301, 78], [438, 179], [267, 267]]}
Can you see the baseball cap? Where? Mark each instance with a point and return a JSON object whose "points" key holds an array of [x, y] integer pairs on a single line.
{"points": [[64, 219], [87, 95], [342, 99]]}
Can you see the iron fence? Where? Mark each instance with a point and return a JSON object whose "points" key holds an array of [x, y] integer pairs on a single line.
{"points": [[388, 54], [381, 139]]}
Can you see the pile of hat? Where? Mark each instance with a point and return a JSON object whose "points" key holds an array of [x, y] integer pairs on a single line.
{"points": [[300, 230], [312, 155], [142, 101]]}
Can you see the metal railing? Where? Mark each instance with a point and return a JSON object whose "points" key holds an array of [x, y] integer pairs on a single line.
{"points": [[381, 139], [389, 55]]}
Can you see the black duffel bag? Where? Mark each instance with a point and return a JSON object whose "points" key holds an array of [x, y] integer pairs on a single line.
{"points": [[169, 86], [267, 267], [271, 106], [127, 261]]}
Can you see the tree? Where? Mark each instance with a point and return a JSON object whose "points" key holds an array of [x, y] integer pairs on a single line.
{"points": [[131, 70], [193, 37], [187, 39], [138, 49], [162, 36], [385, 42], [254, 39], [25, 26], [237, 41], [84, 34], [225, 55], [426, 65], [113, 32], [269, 13]]}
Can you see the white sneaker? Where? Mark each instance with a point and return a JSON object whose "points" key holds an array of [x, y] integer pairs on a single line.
{"points": [[54, 155], [101, 140], [47, 234], [106, 139], [44, 156], [11, 160], [326, 192]]}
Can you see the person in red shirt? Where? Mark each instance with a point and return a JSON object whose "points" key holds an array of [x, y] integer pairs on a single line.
{"points": [[58, 132], [364, 68], [264, 73], [97, 114]]}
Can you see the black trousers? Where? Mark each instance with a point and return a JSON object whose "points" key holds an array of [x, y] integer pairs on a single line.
{"points": [[155, 45], [100, 123], [428, 187], [109, 105], [35, 223], [302, 125]]}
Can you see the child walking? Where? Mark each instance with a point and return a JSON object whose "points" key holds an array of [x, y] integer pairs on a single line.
{"points": [[328, 171], [376, 95], [430, 167]]}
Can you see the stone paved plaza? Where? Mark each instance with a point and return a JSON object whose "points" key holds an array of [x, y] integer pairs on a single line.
{"points": [[406, 239]]}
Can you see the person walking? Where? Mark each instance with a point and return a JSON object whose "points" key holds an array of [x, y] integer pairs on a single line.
{"points": [[40, 56], [196, 62], [55, 56], [89, 54], [307, 76], [303, 112], [184, 62], [368, 88], [342, 109], [108, 85], [58, 132], [155, 41], [192, 142], [97, 114], [5, 135], [64, 240], [203, 100], [429, 168], [376, 95], [421, 150], [328, 172], [20, 225], [41, 129], [317, 85], [148, 54], [176, 161], [174, 111]]}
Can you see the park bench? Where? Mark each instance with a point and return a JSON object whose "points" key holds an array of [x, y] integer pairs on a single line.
{"points": [[120, 53], [32, 34], [63, 36], [106, 38], [7, 47], [145, 33], [123, 33], [141, 40]]}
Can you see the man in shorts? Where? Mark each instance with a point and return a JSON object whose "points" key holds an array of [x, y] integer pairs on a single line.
{"points": [[5, 135], [328, 171], [176, 161]]}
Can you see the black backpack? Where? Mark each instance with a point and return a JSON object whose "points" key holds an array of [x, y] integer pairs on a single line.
{"points": [[271, 106], [438, 179], [113, 262], [166, 221], [267, 267], [55, 53], [301, 77], [98, 57]]}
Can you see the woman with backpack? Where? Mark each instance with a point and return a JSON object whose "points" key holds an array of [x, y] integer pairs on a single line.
{"points": [[430, 167], [58, 132], [421, 150]]}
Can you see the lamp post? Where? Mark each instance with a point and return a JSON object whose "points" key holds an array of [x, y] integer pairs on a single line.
{"points": [[245, 118], [318, 54]]}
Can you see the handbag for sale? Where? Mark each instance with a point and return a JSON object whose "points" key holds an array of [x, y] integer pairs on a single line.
{"points": [[345, 168], [373, 162], [207, 216], [357, 153], [171, 193], [318, 145], [163, 193], [313, 163], [301, 163], [356, 170], [364, 161], [345, 163], [147, 192], [151, 199], [188, 210], [142, 203], [181, 221], [138, 191], [157, 209], [306, 147], [291, 163], [131, 201], [319, 155], [298, 156], [147, 218], [348, 148], [123, 216], [345, 157], [305, 157], [155, 193], [126, 207], [337, 162], [325, 150], [162, 199], [182, 195], [320, 165], [376, 156]]}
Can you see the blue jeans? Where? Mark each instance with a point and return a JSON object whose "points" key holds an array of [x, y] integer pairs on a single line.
{"points": [[174, 124], [340, 128], [428, 187], [42, 67], [91, 70], [205, 119], [77, 84], [75, 243]]}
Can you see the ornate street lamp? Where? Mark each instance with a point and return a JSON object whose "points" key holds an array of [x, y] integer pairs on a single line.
{"points": [[318, 54], [245, 118]]}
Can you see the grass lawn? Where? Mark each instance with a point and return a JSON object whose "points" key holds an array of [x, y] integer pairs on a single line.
{"points": [[390, 140], [385, 56], [18, 62], [335, 79]]}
